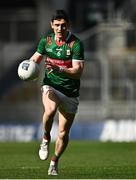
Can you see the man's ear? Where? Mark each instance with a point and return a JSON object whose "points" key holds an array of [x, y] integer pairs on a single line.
{"points": [[51, 24]]}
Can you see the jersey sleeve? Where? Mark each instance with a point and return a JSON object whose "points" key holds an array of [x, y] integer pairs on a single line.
{"points": [[78, 51], [41, 46]]}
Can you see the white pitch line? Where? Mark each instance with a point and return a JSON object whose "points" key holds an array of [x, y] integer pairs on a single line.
{"points": [[29, 167]]}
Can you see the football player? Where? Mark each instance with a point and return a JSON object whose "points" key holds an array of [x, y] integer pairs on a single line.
{"points": [[64, 65]]}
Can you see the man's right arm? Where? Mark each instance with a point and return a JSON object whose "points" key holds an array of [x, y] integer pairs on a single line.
{"points": [[40, 52], [37, 57]]}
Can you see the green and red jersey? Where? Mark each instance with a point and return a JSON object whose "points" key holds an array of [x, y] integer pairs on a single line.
{"points": [[62, 55]]}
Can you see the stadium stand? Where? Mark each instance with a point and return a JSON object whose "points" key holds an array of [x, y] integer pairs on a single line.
{"points": [[109, 80]]}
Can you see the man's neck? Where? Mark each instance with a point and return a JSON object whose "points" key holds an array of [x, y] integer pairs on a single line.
{"points": [[62, 39]]}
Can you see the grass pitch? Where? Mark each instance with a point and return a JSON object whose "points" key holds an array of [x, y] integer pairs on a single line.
{"points": [[81, 160]]}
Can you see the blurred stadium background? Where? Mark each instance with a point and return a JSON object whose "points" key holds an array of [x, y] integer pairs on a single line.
{"points": [[107, 28]]}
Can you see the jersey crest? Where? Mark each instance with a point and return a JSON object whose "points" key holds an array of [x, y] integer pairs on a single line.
{"points": [[49, 40]]}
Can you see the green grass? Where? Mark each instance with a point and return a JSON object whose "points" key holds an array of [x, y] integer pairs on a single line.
{"points": [[81, 160]]}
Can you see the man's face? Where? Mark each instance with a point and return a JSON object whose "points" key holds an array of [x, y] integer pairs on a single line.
{"points": [[60, 28]]}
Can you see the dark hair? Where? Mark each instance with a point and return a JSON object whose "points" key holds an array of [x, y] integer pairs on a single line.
{"points": [[60, 14]]}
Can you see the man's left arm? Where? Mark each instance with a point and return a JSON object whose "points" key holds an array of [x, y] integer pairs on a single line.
{"points": [[75, 71]]}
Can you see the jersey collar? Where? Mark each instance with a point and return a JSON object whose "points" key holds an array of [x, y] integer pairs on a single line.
{"points": [[67, 38]]}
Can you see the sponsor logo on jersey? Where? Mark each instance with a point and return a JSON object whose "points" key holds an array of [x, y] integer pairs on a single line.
{"points": [[48, 50]]}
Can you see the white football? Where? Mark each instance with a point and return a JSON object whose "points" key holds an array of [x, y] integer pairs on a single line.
{"points": [[28, 70]]}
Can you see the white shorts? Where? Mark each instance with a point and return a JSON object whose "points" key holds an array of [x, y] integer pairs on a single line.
{"points": [[67, 104]]}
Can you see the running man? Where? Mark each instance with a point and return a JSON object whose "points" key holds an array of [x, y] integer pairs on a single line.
{"points": [[64, 65]]}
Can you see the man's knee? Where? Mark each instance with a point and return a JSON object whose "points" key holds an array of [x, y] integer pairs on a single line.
{"points": [[63, 134], [50, 111]]}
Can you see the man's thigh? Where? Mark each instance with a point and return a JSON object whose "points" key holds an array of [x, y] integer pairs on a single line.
{"points": [[49, 98], [65, 121]]}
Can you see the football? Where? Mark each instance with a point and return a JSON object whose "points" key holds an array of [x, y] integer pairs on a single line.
{"points": [[28, 70]]}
